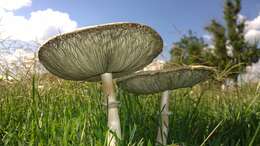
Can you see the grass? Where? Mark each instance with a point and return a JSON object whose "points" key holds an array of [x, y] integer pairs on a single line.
{"points": [[48, 111]]}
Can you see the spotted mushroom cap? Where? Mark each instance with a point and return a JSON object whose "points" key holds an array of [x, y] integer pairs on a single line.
{"points": [[147, 82], [85, 54]]}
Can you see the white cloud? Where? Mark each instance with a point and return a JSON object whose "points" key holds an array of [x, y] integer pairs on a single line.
{"points": [[11, 5], [41, 25], [254, 24], [252, 73], [207, 37], [241, 18], [252, 30], [18, 54], [19, 60], [253, 36], [19, 31]]}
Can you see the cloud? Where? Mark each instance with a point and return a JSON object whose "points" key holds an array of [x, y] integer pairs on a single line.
{"points": [[252, 30], [252, 73], [254, 24], [11, 5], [41, 25], [252, 36], [241, 18], [207, 37], [16, 56], [19, 60], [19, 32]]}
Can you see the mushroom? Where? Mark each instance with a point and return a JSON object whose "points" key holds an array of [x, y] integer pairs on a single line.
{"points": [[149, 82], [96, 53]]}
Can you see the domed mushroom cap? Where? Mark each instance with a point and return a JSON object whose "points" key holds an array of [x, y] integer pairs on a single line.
{"points": [[147, 82], [85, 54]]}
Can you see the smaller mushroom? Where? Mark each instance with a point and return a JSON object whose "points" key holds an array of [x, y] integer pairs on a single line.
{"points": [[149, 82]]}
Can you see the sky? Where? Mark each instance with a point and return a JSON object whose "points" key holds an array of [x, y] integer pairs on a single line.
{"points": [[37, 20], [171, 18]]}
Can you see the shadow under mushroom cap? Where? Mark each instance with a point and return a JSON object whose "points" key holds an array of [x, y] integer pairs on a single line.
{"points": [[147, 82], [85, 54]]}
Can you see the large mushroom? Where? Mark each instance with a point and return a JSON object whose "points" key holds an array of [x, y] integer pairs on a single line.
{"points": [[149, 82], [98, 52]]}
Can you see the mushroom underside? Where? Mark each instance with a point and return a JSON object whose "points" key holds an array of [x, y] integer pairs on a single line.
{"points": [[147, 82], [120, 49]]}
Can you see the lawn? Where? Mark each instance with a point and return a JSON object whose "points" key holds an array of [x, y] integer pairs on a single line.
{"points": [[40, 110]]}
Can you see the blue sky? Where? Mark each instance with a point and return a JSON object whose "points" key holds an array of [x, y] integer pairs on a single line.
{"points": [[164, 15], [171, 18]]}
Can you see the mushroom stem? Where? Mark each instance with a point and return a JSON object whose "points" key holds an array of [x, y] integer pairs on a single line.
{"points": [[113, 122], [163, 128]]}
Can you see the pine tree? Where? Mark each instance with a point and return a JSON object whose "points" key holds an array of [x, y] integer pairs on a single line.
{"points": [[230, 47], [219, 41], [232, 35], [235, 34], [235, 29]]}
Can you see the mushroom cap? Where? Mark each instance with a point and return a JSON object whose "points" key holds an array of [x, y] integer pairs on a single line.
{"points": [[85, 54], [147, 82]]}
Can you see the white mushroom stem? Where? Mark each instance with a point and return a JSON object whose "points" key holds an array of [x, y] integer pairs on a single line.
{"points": [[113, 122], [163, 128]]}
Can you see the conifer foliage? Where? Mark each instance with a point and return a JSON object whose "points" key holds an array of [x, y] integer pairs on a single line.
{"points": [[229, 45]]}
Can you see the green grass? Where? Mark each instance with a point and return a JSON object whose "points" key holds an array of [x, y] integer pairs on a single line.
{"points": [[72, 113]]}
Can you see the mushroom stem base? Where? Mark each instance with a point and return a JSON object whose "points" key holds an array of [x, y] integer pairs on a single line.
{"points": [[164, 123], [113, 122]]}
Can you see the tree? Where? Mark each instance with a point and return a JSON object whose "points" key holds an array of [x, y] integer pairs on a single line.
{"points": [[188, 50], [235, 28], [230, 50], [232, 35], [220, 56]]}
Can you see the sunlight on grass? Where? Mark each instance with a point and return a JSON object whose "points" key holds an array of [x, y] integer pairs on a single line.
{"points": [[58, 112]]}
